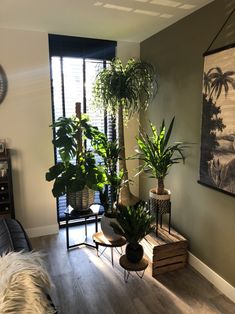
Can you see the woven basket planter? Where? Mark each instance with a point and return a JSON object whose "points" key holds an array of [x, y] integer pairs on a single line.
{"points": [[160, 203], [81, 200]]}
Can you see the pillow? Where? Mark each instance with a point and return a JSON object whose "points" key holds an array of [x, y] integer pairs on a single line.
{"points": [[24, 283], [13, 237]]}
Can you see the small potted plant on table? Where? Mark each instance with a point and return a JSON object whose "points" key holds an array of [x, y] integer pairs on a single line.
{"points": [[134, 223]]}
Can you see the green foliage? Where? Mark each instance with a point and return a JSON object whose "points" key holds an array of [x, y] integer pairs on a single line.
{"points": [[109, 151], [124, 90], [156, 153], [130, 86], [134, 222], [67, 138], [67, 175]]}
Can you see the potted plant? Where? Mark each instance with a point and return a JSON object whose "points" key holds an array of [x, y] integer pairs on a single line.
{"points": [[134, 223], [124, 90], [157, 156], [109, 152], [77, 174]]}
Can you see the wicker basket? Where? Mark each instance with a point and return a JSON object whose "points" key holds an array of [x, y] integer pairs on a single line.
{"points": [[81, 200]]}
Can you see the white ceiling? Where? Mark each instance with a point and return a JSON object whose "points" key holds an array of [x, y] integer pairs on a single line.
{"points": [[124, 20]]}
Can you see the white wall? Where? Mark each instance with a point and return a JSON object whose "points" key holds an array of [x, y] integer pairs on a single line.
{"points": [[25, 116]]}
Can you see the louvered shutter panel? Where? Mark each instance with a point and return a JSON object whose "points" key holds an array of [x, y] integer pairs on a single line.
{"points": [[72, 76]]}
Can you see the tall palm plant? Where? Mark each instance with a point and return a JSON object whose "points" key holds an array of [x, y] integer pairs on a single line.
{"points": [[157, 154], [124, 90]]}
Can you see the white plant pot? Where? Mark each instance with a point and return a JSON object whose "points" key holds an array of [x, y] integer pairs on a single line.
{"points": [[107, 229], [159, 203], [163, 197]]}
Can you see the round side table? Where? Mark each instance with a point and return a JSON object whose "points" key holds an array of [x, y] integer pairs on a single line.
{"points": [[101, 240], [137, 267]]}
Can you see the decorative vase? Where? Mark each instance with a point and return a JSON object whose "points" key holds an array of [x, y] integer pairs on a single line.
{"points": [[107, 229], [134, 253]]}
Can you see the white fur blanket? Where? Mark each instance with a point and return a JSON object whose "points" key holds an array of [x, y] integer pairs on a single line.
{"points": [[23, 283]]}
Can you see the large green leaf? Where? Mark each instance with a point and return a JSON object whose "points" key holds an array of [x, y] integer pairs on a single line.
{"points": [[54, 171]]}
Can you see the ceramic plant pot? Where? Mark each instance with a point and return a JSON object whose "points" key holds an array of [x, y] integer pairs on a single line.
{"points": [[163, 197], [162, 202], [134, 253], [107, 229]]}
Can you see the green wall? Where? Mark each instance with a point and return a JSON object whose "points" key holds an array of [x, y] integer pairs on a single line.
{"points": [[205, 216]]}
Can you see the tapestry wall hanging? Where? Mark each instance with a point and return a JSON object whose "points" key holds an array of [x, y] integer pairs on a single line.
{"points": [[217, 164]]}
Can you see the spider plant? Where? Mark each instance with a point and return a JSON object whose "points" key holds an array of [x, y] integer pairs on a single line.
{"points": [[124, 90]]}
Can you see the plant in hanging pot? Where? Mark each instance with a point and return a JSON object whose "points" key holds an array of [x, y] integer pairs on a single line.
{"points": [[124, 90], [109, 152], [134, 223], [77, 174], [157, 156]]}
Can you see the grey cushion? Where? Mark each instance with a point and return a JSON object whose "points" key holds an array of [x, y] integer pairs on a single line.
{"points": [[13, 237]]}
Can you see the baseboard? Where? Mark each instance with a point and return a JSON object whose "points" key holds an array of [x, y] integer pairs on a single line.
{"points": [[221, 284], [42, 231]]}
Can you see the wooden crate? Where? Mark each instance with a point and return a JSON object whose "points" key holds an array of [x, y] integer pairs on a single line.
{"points": [[166, 252]]}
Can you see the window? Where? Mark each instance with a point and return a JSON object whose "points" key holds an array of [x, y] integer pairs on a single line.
{"points": [[75, 63]]}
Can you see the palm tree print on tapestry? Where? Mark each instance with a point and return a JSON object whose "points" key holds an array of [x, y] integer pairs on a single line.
{"points": [[217, 164]]}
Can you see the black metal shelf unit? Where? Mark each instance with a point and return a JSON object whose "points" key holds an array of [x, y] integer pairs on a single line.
{"points": [[6, 188]]}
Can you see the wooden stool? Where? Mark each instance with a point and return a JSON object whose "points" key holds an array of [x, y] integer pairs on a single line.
{"points": [[101, 240], [137, 267]]}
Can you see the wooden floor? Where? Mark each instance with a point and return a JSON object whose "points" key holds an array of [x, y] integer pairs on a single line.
{"points": [[86, 283]]}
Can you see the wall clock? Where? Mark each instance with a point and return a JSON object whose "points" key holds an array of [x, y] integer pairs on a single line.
{"points": [[3, 84]]}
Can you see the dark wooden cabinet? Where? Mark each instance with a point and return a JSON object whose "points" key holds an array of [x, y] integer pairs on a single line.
{"points": [[6, 189]]}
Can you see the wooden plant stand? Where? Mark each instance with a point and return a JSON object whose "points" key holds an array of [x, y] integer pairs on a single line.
{"points": [[139, 267], [101, 240], [166, 252]]}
